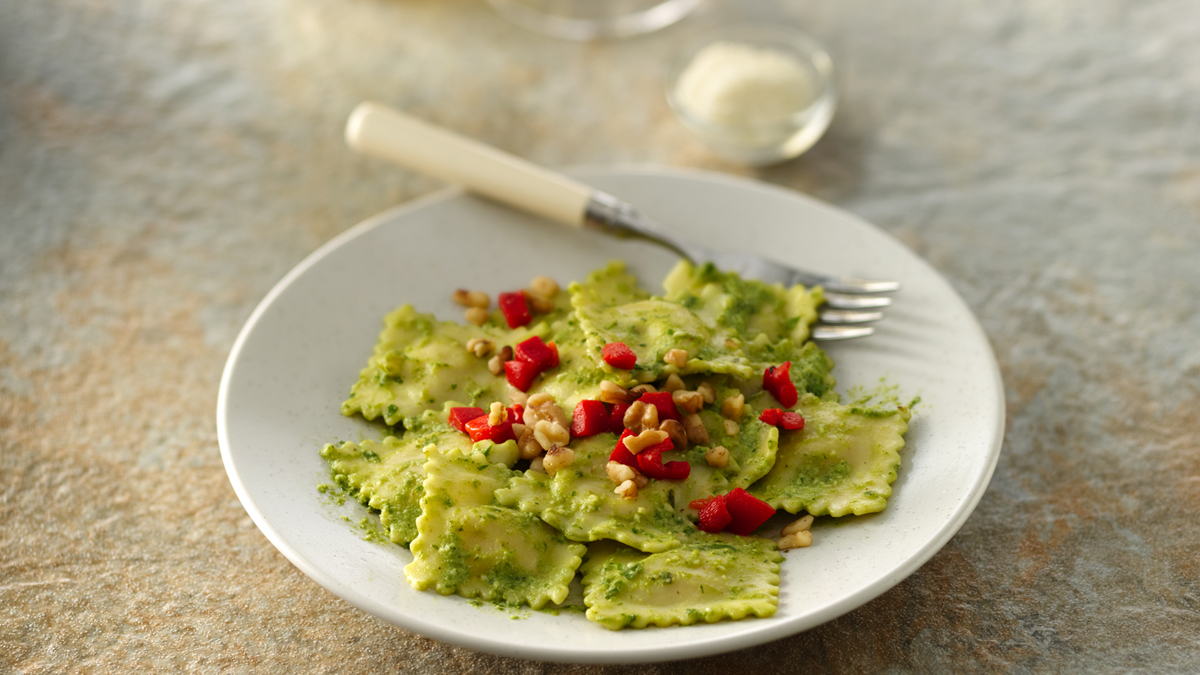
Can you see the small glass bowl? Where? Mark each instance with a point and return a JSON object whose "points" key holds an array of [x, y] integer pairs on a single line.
{"points": [[761, 144], [594, 19]]}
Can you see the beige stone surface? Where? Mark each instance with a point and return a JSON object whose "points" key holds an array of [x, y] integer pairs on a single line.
{"points": [[163, 163]]}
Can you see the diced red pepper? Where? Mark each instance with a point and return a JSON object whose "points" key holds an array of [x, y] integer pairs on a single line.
{"points": [[791, 421], [619, 355], [699, 504], [616, 417], [515, 412], [479, 430], [665, 404], [460, 416], [777, 381], [520, 374], [536, 353], [650, 461], [516, 311], [785, 419], [714, 516], [554, 349], [622, 454], [747, 511], [590, 418]]}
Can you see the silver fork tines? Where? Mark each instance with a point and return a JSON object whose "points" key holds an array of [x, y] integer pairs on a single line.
{"points": [[838, 319]]}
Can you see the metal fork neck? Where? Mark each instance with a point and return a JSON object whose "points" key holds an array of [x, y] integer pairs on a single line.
{"points": [[612, 216]]}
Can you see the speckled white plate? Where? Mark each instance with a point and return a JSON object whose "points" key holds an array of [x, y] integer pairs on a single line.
{"points": [[297, 356]]}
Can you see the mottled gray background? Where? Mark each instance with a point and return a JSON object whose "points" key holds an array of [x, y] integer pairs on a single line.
{"points": [[164, 162]]}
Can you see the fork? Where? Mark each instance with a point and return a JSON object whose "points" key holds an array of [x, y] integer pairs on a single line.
{"points": [[378, 130]]}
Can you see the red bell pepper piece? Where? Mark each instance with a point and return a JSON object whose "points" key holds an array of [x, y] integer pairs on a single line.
{"points": [[590, 418], [622, 454], [784, 419], [791, 421], [747, 511], [665, 404], [554, 349], [536, 353], [616, 417], [699, 504], [650, 461], [516, 411], [460, 416], [520, 374], [619, 355], [515, 309], [714, 516], [777, 381], [479, 430]]}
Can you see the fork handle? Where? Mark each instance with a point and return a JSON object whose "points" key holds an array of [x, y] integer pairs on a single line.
{"points": [[376, 129]]}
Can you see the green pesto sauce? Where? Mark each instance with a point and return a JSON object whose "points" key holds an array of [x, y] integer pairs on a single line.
{"points": [[879, 401]]}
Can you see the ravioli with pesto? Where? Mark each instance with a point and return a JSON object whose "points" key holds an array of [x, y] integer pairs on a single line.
{"points": [[469, 545], [709, 577], [513, 516]]}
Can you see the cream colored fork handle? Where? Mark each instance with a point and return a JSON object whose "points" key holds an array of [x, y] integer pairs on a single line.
{"points": [[384, 132]]}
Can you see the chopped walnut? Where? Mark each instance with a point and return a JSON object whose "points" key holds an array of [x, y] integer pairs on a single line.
{"points": [[480, 347], [527, 444], [676, 357], [802, 539], [650, 417], [550, 434], [674, 383], [619, 473], [693, 426], [472, 298], [717, 457], [633, 416], [476, 316], [733, 407], [690, 401], [497, 414], [798, 526], [544, 286], [557, 458], [675, 432], [647, 438], [496, 363], [611, 392], [628, 490]]}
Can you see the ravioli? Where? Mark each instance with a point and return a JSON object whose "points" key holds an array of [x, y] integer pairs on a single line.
{"points": [[480, 529], [612, 308], [388, 475], [743, 309], [580, 501], [419, 364], [470, 545], [843, 461], [709, 577]]}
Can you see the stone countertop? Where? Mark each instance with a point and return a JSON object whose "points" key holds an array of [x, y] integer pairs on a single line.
{"points": [[163, 164]]}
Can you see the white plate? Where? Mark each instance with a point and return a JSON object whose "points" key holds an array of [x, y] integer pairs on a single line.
{"points": [[302, 348]]}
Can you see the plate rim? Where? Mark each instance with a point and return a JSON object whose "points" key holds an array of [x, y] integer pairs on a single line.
{"points": [[665, 652]]}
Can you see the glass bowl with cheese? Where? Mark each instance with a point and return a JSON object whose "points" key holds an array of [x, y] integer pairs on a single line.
{"points": [[755, 94]]}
